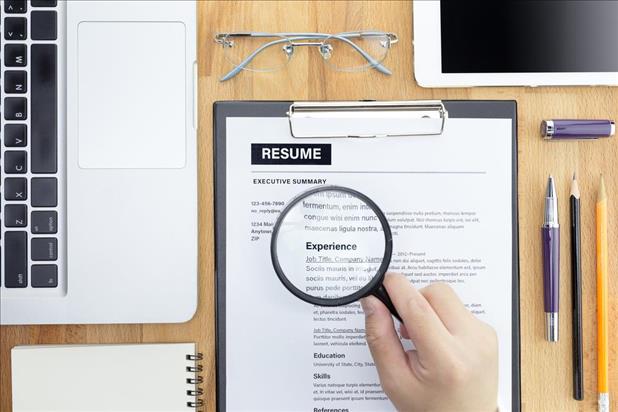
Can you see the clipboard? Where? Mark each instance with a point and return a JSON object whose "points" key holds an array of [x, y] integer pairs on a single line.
{"points": [[404, 119]]}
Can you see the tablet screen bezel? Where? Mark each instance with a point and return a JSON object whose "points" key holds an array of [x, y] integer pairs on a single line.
{"points": [[428, 61]]}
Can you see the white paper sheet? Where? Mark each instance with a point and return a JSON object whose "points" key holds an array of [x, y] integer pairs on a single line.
{"points": [[448, 200], [98, 378]]}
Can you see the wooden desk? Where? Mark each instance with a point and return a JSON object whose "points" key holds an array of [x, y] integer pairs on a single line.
{"points": [[546, 369]]}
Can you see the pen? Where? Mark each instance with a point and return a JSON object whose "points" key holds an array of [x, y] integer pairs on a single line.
{"points": [[576, 292], [551, 262], [602, 258], [577, 129]]}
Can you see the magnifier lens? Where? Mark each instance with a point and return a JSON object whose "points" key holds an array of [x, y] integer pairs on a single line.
{"points": [[330, 244]]}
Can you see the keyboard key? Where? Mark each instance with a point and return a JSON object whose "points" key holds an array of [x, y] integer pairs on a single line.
{"points": [[44, 108], [15, 108], [43, 3], [16, 259], [44, 248], [15, 215], [15, 135], [15, 28], [44, 223], [15, 6], [15, 81], [44, 192], [15, 188], [43, 25], [15, 162], [44, 276], [15, 55]]}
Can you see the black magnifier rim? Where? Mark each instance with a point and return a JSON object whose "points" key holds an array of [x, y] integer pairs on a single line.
{"points": [[373, 285]]}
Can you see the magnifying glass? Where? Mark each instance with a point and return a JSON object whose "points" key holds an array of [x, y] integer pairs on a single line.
{"points": [[332, 246]]}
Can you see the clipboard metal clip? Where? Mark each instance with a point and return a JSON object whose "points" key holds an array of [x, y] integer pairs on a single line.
{"points": [[367, 119]]}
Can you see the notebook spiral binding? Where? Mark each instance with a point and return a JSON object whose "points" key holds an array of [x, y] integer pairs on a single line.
{"points": [[197, 402]]}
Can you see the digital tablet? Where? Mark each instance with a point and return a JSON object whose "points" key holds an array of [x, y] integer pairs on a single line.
{"points": [[518, 43]]}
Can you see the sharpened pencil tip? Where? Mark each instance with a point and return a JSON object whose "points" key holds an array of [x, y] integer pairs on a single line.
{"points": [[602, 192], [574, 175], [574, 187]]}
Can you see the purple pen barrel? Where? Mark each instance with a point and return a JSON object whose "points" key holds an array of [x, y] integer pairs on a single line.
{"points": [[551, 280], [577, 129]]}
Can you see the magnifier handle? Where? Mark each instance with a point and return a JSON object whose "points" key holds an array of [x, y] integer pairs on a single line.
{"points": [[381, 294]]}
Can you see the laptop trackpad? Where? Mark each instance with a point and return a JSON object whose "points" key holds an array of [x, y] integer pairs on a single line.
{"points": [[132, 79]]}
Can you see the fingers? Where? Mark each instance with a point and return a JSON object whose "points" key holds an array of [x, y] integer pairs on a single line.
{"points": [[388, 353], [418, 369], [445, 302], [423, 325], [451, 311]]}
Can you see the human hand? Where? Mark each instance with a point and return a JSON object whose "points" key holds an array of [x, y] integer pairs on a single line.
{"points": [[455, 364]]}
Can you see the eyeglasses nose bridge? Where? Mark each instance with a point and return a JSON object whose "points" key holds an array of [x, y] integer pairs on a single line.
{"points": [[324, 48]]}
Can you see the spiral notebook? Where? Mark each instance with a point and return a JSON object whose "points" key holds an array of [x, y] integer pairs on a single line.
{"points": [[128, 378]]}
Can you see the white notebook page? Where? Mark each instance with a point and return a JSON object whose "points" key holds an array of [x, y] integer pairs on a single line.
{"points": [[129, 378]]}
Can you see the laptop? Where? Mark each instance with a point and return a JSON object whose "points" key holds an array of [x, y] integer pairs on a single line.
{"points": [[98, 162]]}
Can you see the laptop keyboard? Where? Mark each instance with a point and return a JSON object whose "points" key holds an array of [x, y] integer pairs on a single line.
{"points": [[30, 193]]}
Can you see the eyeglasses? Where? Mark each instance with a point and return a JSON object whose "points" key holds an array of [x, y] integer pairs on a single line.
{"points": [[267, 52]]}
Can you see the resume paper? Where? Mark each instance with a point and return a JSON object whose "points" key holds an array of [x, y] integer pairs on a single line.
{"points": [[448, 200]]}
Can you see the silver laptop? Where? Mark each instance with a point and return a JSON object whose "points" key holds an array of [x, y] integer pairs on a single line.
{"points": [[99, 162]]}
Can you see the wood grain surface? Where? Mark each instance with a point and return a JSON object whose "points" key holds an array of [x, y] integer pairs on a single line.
{"points": [[546, 371]]}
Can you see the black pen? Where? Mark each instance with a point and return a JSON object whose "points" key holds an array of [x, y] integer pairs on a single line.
{"points": [[576, 293]]}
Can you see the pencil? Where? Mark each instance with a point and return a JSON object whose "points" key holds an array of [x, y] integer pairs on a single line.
{"points": [[576, 292], [602, 338]]}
